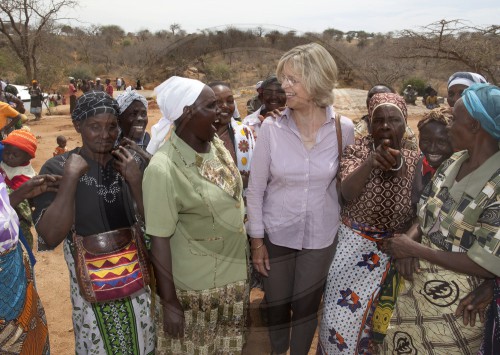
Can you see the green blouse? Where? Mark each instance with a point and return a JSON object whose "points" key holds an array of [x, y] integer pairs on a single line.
{"points": [[468, 211], [195, 199]]}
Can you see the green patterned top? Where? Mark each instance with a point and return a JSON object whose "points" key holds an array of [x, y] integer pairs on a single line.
{"points": [[464, 216], [195, 199]]}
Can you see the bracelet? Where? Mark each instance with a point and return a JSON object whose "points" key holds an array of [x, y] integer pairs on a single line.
{"points": [[260, 246]]}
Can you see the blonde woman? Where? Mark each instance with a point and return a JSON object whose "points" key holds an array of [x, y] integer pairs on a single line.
{"points": [[292, 201]]}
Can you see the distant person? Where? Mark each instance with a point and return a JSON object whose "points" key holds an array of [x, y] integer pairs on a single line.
{"points": [[256, 101], [138, 85], [273, 98], [11, 89], [109, 87], [61, 146], [361, 128], [98, 86], [460, 81], [10, 98], [84, 86], [410, 95], [427, 91], [9, 117], [16, 169], [431, 101], [72, 94], [118, 84], [124, 85], [36, 97]]}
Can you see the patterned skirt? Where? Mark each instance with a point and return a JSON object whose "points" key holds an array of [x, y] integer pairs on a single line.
{"points": [[351, 293], [122, 327], [27, 333], [215, 321], [424, 319]]}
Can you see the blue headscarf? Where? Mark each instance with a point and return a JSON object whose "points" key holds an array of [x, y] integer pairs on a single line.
{"points": [[482, 101]]}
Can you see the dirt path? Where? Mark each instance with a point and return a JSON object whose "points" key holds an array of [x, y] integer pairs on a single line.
{"points": [[51, 271]]}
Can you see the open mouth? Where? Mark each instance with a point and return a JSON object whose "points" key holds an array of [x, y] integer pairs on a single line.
{"points": [[434, 158]]}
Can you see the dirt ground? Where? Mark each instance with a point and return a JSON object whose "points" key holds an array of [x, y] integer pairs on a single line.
{"points": [[51, 271]]}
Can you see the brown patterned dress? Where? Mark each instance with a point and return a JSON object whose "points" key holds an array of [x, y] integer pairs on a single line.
{"points": [[352, 313]]}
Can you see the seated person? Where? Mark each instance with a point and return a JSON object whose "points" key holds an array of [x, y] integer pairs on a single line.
{"points": [[410, 95], [431, 101]]}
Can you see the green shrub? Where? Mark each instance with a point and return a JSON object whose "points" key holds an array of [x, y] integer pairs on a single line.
{"points": [[218, 71], [81, 72], [416, 83]]}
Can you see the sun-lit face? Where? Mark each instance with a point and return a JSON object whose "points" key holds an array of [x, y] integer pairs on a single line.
{"points": [[296, 94], [454, 93], [133, 121], [226, 104], [435, 143], [387, 122]]}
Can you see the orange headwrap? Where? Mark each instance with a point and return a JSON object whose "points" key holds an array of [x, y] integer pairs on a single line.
{"points": [[22, 139]]}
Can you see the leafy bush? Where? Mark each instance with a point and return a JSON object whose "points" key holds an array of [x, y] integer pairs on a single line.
{"points": [[81, 72], [416, 83], [218, 71]]}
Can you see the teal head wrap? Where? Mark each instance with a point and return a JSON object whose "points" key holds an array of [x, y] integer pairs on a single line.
{"points": [[482, 101]]}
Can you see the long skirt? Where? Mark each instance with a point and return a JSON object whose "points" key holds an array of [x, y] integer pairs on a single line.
{"points": [[23, 326], [214, 321], [351, 293], [120, 327], [424, 319]]}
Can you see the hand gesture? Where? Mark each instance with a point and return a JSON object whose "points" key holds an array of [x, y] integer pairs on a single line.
{"points": [[39, 184], [407, 267], [132, 145], [399, 246], [475, 303], [75, 166], [126, 165], [173, 318], [384, 157]]}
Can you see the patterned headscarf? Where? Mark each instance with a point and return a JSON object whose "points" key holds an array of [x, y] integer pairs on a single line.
{"points": [[387, 99], [127, 97], [93, 103], [465, 78], [172, 96], [482, 101], [440, 114]]}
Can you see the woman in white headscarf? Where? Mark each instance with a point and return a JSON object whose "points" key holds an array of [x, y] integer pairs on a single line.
{"points": [[460, 81], [194, 215]]}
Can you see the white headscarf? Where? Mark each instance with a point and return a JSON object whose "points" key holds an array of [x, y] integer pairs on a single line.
{"points": [[172, 96], [129, 96], [465, 78]]}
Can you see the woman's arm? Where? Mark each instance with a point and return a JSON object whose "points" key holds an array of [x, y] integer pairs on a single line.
{"points": [[58, 218], [35, 186], [383, 158], [126, 165], [401, 246], [257, 185], [173, 314]]}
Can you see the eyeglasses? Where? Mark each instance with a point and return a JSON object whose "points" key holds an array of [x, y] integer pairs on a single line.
{"points": [[291, 80]]}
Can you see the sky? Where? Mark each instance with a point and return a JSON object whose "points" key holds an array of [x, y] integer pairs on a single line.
{"points": [[302, 16]]}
